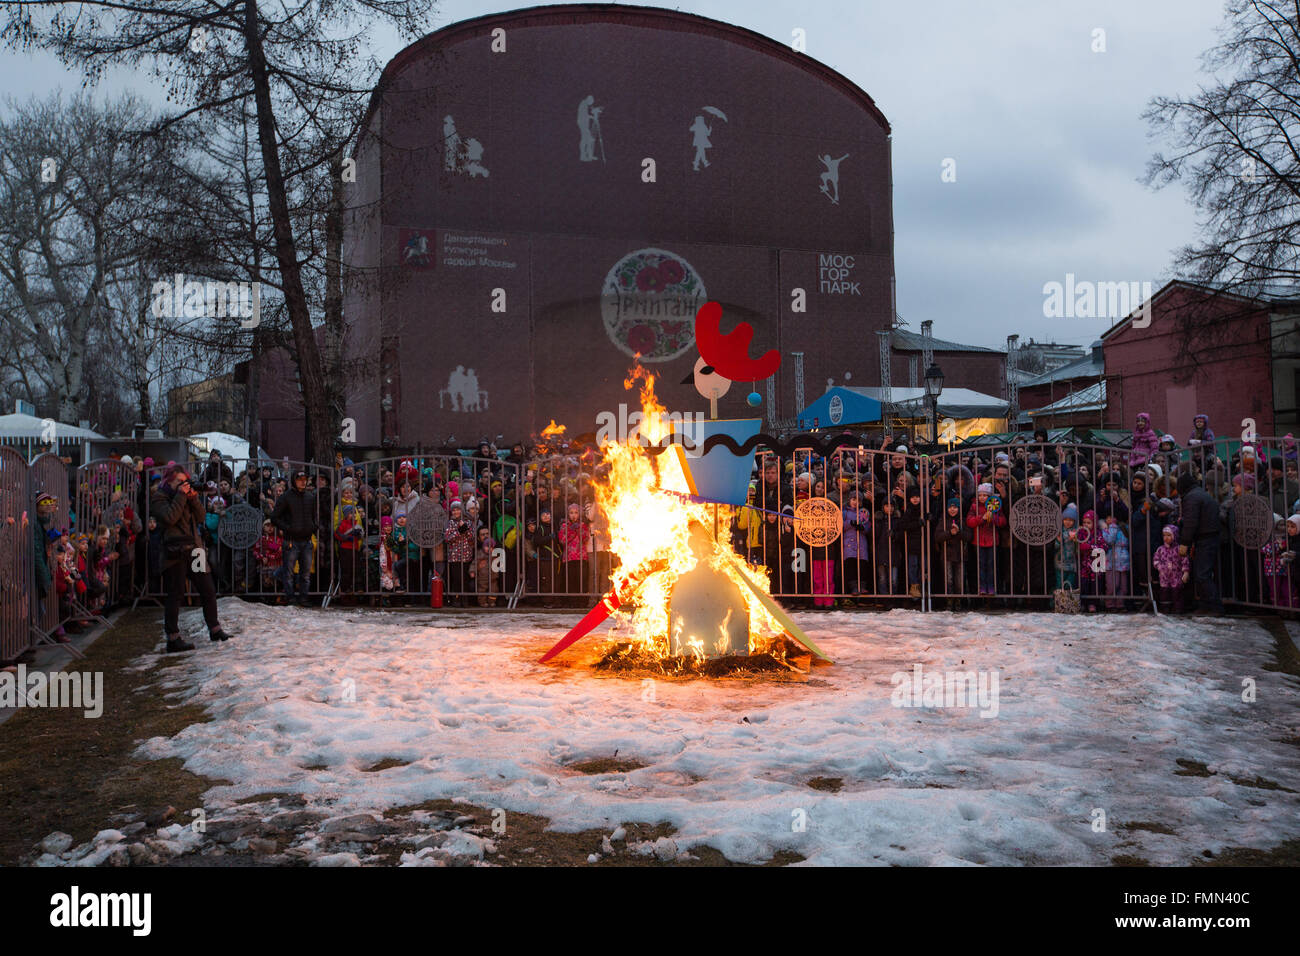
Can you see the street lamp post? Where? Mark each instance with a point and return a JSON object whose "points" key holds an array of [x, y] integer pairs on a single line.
{"points": [[933, 386]]}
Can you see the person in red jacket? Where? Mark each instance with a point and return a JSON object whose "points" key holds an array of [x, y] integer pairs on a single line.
{"points": [[572, 535], [269, 553], [985, 521], [349, 533]]}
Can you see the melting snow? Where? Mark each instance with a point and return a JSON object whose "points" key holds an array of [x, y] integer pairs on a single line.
{"points": [[1093, 715]]}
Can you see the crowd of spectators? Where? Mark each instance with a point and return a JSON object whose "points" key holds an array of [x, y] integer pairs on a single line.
{"points": [[1155, 520]]}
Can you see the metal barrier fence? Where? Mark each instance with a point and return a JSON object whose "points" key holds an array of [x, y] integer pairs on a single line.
{"points": [[16, 556], [855, 525]]}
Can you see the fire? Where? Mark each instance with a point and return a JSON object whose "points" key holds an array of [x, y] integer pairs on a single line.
{"points": [[651, 527], [549, 432]]}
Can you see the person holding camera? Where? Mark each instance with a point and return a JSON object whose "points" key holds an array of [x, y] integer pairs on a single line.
{"points": [[180, 514]]}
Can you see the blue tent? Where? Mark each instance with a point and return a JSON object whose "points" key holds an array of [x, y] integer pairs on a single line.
{"points": [[840, 406]]}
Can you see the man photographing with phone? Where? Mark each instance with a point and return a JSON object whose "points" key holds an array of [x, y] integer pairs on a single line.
{"points": [[179, 513]]}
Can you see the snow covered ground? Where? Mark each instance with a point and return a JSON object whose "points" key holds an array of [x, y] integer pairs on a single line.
{"points": [[1092, 717]]}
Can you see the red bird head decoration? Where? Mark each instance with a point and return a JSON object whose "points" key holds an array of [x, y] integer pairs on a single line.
{"points": [[729, 354]]}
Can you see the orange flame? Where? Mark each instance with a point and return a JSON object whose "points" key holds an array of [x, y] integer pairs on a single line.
{"points": [[648, 524]]}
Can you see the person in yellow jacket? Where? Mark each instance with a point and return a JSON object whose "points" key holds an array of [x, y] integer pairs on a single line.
{"points": [[749, 523]]}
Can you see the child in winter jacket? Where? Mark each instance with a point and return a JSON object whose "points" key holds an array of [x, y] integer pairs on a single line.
{"points": [[349, 534], [951, 536], [1088, 539], [857, 546], [1201, 441], [572, 535], [459, 536], [1173, 570], [910, 526], [1145, 441], [1277, 558], [1067, 550], [269, 554], [387, 560], [1117, 561], [985, 523]]}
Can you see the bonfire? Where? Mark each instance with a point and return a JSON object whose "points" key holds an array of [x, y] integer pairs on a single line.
{"points": [[683, 601]]}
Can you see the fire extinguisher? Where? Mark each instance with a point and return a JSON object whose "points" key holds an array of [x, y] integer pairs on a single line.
{"points": [[435, 590]]}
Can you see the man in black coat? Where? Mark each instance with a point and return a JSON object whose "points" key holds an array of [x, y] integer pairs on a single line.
{"points": [[295, 515], [217, 469], [179, 513], [1200, 534]]}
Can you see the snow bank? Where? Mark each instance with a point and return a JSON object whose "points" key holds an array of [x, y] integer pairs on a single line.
{"points": [[1093, 715]]}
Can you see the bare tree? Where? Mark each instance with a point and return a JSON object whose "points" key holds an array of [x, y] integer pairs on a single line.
{"points": [[74, 183], [298, 63], [1235, 146]]}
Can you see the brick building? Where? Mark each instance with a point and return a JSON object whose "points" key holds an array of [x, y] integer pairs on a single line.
{"points": [[1057, 393], [528, 222], [964, 366], [1230, 356]]}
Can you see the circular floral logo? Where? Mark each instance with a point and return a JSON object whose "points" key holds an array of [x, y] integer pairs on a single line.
{"points": [[648, 303], [817, 522]]}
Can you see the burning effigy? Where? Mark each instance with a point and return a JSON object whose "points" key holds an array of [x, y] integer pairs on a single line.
{"points": [[683, 601]]}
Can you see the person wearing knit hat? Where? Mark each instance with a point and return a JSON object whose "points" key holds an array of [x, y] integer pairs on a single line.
{"points": [[1276, 559], [951, 535], [984, 521], [1066, 559], [1173, 570], [1166, 510]]}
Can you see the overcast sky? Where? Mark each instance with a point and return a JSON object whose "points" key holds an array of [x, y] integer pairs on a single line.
{"points": [[1046, 134]]}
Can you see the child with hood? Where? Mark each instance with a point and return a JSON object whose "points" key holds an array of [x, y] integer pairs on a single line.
{"points": [[1293, 545], [349, 534], [1201, 439], [269, 554], [1277, 558], [857, 546], [1117, 561], [460, 537], [1089, 538], [573, 534], [1173, 570], [911, 526], [1145, 441], [1067, 551], [985, 523], [951, 536], [387, 556]]}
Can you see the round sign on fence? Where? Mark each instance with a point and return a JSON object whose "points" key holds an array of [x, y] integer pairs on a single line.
{"points": [[817, 522], [1252, 520], [426, 522], [1035, 520], [240, 527]]}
